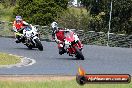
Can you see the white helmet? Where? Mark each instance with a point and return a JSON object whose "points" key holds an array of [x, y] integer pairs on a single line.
{"points": [[54, 25]]}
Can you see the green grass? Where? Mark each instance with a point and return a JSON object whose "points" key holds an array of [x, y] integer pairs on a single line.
{"points": [[58, 84], [6, 32], [6, 13], [6, 59]]}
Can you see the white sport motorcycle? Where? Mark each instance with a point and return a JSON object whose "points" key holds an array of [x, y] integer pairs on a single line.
{"points": [[30, 37]]}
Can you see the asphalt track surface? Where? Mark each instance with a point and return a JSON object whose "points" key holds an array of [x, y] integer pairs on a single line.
{"points": [[98, 60]]}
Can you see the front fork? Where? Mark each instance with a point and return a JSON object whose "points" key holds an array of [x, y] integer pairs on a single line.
{"points": [[80, 44], [71, 49]]}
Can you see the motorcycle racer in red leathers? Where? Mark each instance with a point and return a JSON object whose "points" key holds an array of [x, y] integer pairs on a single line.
{"points": [[59, 36], [18, 26]]}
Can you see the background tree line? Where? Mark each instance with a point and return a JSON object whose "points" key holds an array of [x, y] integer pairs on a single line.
{"points": [[96, 18], [121, 14], [40, 12], [8, 3]]}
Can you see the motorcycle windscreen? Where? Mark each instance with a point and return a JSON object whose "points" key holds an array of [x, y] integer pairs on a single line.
{"points": [[69, 36], [28, 28]]}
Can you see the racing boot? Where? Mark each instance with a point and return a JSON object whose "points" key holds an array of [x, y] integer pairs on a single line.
{"points": [[17, 41], [62, 51]]}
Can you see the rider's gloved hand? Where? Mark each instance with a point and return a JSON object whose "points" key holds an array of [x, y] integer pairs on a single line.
{"points": [[14, 29], [58, 41], [20, 29]]}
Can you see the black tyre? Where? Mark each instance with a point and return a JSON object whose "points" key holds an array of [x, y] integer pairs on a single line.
{"points": [[39, 45], [79, 54]]}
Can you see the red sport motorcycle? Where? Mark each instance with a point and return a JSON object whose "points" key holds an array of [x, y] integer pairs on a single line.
{"points": [[72, 45]]}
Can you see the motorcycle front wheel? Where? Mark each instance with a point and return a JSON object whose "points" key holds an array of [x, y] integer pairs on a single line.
{"points": [[38, 44], [79, 54]]}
